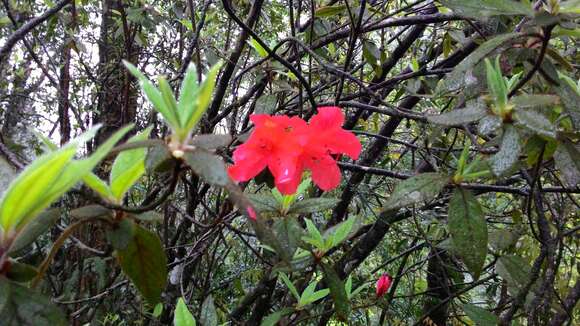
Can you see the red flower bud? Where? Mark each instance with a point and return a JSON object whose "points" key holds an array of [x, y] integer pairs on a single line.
{"points": [[383, 285]]}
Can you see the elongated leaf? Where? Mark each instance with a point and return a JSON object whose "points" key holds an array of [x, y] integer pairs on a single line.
{"points": [[536, 123], [337, 292], [472, 112], [34, 229], [208, 166], [327, 11], [99, 186], [289, 285], [420, 188], [259, 48], [273, 318], [509, 152], [264, 203], [182, 316], [128, 167], [340, 232], [457, 78], [20, 272], [20, 306], [567, 158], [314, 236], [480, 316], [189, 90], [534, 100], [144, 261], [570, 97], [515, 271], [468, 230], [77, 170], [495, 82], [154, 96], [26, 195], [312, 205], [211, 141], [203, 98], [90, 211], [289, 233], [208, 313], [485, 8]]}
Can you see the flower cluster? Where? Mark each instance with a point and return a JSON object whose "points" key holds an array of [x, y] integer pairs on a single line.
{"points": [[289, 145]]}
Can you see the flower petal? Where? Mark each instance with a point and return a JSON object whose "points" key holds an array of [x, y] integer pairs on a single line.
{"points": [[327, 117], [249, 162], [325, 171]]}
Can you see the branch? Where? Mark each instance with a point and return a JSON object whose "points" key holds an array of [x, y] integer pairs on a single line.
{"points": [[20, 33]]}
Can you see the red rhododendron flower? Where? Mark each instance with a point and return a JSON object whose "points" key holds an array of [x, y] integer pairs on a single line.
{"points": [[288, 145], [383, 285]]}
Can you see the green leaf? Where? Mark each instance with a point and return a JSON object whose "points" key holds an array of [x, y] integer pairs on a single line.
{"points": [[327, 11], [182, 316], [371, 52], [144, 261], [312, 205], [150, 216], [273, 318], [567, 158], [187, 94], [309, 295], [90, 211], [264, 203], [515, 271], [158, 310], [121, 235], [570, 97], [290, 285], [208, 166], [535, 122], [77, 170], [314, 237], [509, 152], [211, 141], [340, 232], [473, 111], [168, 98], [457, 78], [289, 233], [208, 313], [495, 82], [259, 48], [468, 230], [480, 316], [20, 272], [128, 167], [419, 188], [203, 98], [502, 239], [486, 8], [158, 159], [154, 96], [99, 186], [337, 292], [20, 306], [34, 229], [26, 195], [534, 100]]}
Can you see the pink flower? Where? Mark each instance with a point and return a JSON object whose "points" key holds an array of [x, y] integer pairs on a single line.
{"points": [[383, 285], [288, 145]]}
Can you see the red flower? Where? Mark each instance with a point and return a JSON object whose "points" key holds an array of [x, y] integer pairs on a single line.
{"points": [[288, 146], [383, 285]]}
